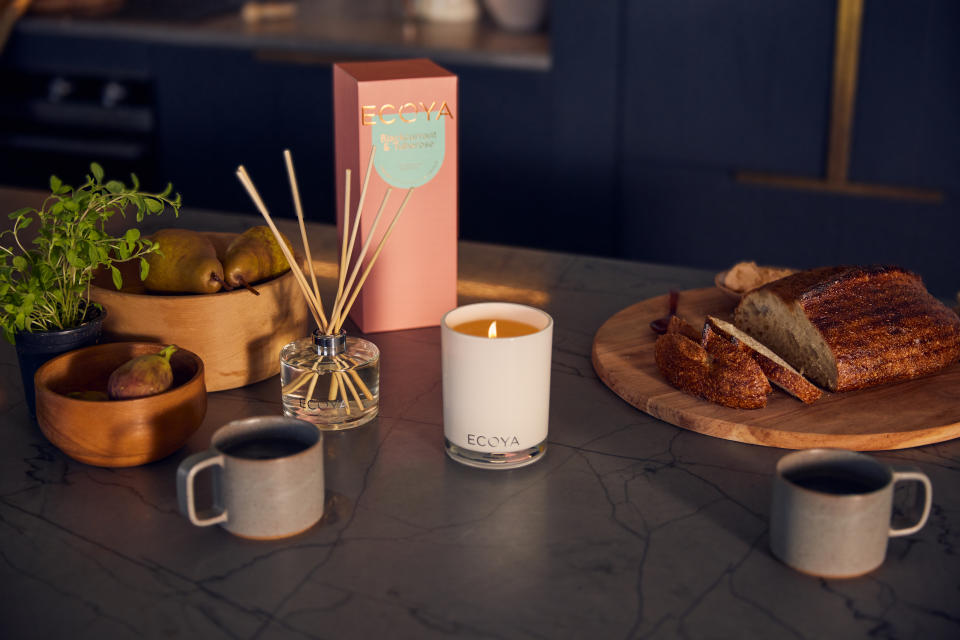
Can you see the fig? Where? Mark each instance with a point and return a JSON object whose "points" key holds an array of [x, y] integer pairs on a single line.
{"points": [[145, 375]]}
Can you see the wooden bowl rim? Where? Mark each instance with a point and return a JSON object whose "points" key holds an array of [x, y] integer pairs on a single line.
{"points": [[718, 282], [41, 383]]}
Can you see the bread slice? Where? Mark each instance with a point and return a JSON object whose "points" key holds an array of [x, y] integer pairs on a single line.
{"points": [[720, 373], [853, 327], [777, 370], [684, 328]]}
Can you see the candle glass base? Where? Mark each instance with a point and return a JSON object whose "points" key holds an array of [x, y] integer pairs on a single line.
{"points": [[485, 460], [331, 381]]}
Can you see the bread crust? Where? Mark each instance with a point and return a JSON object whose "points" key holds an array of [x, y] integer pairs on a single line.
{"points": [[684, 328], [719, 373], [879, 323]]}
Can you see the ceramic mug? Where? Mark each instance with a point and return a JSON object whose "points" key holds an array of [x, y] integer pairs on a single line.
{"points": [[831, 511], [269, 483]]}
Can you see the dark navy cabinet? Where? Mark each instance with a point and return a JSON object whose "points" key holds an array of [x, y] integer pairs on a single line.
{"points": [[631, 139]]}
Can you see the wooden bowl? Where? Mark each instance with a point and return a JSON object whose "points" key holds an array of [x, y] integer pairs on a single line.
{"points": [[718, 281], [118, 433], [237, 334]]}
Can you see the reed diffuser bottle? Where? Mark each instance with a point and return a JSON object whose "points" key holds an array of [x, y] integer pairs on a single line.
{"points": [[332, 381], [328, 378]]}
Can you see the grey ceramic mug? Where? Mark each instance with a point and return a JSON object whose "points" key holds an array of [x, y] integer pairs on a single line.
{"points": [[831, 511], [270, 478]]}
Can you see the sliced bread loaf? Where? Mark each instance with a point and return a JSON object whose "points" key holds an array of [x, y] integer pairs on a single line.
{"points": [[852, 327], [777, 370]]}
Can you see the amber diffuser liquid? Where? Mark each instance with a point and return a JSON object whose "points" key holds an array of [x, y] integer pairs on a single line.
{"points": [[504, 328]]}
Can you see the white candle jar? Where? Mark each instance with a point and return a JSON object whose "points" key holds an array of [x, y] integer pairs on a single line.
{"points": [[496, 391]]}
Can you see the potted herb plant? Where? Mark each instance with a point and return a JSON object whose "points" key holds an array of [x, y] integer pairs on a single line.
{"points": [[49, 256]]}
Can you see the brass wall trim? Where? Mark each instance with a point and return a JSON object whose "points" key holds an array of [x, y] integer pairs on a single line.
{"points": [[846, 64], [863, 189]]}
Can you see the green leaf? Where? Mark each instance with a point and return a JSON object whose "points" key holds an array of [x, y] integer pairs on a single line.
{"points": [[42, 286], [135, 182]]}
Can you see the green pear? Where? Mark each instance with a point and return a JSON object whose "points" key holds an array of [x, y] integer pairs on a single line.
{"points": [[145, 375], [220, 242], [187, 263], [254, 256]]}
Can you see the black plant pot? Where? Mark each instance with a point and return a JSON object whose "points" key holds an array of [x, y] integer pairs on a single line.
{"points": [[33, 349]]}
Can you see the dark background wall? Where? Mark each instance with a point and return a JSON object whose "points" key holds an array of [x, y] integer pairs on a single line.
{"points": [[629, 143]]}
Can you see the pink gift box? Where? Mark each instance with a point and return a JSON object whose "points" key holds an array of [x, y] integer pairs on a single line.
{"points": [[407, 110]]}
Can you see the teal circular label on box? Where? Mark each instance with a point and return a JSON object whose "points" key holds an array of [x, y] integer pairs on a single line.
{"points": [[409, 153]]}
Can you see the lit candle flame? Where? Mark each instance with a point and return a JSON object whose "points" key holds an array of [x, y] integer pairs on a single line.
{"points": [[492, 331]]}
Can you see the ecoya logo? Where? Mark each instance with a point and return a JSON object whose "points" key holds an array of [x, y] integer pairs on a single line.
{"points": [[493, 442], [410, 141], [371, 114]]}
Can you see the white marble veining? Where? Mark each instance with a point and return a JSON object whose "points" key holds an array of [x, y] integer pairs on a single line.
{"points": [[629, 528]]}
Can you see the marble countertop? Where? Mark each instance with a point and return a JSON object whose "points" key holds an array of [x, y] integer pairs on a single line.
{"points": [[628, 528]]}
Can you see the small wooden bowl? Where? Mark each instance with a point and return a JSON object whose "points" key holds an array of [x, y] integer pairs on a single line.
{"points": [[118, 433], [718, 281], [237, 334]]}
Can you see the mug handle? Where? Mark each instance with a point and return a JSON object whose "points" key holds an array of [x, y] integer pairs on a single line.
{"points": [[186, 473], [916, 476]]}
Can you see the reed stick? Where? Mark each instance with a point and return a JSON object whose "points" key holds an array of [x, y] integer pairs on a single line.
{"points": [[310, 389], [338, 376], [339, 319], [341, 270], [315, 308], [298, 207], [353, 391], [338, 306], [356, 376], [356, 224], [332, 391], [299, 382]]}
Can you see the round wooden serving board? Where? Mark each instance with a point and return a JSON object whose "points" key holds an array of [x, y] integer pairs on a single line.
{"points": [[893, 416]]}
